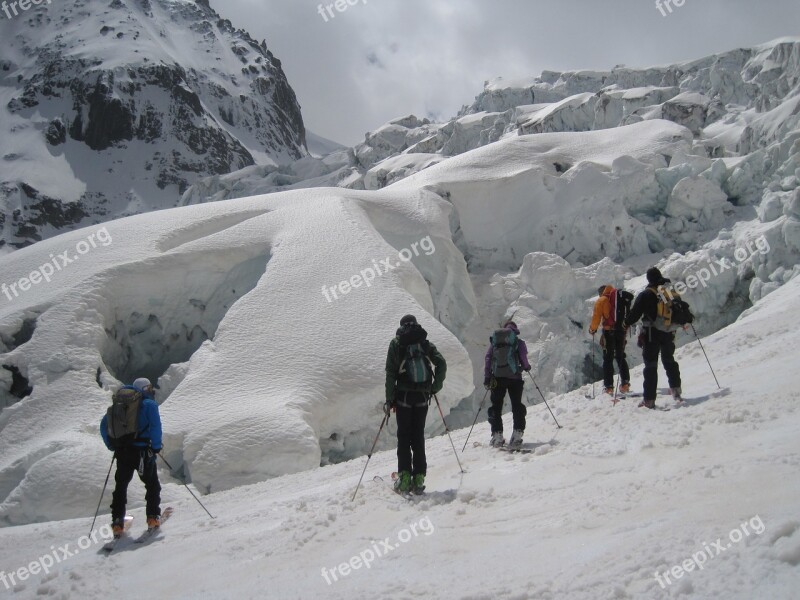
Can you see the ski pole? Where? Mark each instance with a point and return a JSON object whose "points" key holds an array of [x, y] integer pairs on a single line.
{"points": [[706, 355], [447, 429], [99, 502], [375, 443], [543, 398], [187, 487], [480, 408], [594, 367]]}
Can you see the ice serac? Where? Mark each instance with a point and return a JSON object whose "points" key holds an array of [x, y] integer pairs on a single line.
{"points": [[262, 373], [115, 108], [734, 103], [553, 192]]}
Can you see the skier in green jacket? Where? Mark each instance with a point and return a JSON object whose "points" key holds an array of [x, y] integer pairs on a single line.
{"points": [[414, 371]]}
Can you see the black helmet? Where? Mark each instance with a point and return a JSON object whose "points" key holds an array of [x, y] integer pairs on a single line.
{"points": [[408, 320], [654, 276]]}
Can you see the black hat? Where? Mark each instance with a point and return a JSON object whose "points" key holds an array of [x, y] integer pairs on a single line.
{"points": [[654, 276], [408, 319], [601, 289]]}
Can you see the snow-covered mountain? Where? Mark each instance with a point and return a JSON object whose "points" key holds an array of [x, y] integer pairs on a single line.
{"points": [[115, 108]]}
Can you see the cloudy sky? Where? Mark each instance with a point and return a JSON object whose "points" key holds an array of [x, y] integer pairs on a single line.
{"points": [[380, 59]]}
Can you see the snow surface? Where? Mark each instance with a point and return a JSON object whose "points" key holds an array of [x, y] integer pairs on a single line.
{"points": [[602, 505]]}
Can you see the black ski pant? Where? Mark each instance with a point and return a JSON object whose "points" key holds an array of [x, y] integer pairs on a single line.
{"points": [[129, 461], [411, 412], [659, 342], [518, 409], [614, 349]]}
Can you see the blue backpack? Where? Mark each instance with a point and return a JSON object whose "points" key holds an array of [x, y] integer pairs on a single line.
{"points": [[505, 353]]}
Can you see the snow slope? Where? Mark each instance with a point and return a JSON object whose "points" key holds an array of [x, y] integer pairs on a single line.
{"points": [[614, 498]]}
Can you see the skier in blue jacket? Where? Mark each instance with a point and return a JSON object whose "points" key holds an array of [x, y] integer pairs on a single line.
{"points": [[139, 455]]}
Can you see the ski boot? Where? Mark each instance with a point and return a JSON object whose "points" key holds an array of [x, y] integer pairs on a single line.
{"points": [[403, 483], [516, 439], [497, 440], [117, 528]]}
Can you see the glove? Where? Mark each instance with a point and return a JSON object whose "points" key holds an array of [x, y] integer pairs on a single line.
{"points": [[157, 450], [436, 389], [387, 408], [592, 331], [527, 369], [486, 382]]}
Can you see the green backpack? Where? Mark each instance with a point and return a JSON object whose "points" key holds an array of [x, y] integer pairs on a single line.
{"points": [[416, 366], [505, 353]]}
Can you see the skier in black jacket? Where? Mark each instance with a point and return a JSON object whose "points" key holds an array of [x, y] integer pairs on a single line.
{"points": [[655, 339]]}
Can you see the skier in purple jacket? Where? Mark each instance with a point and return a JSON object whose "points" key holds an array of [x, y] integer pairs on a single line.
{"points": [[506, 358]]}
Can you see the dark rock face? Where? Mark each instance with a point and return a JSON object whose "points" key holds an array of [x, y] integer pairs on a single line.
{"points": [[153, 124], [27, 214]]}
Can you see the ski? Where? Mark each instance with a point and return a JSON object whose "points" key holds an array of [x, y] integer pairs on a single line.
{"points": [[505, 448], [406, 495], [153, 531], [379, 479], [109, 546], [661, 392], [515, 450], [661, 408]]}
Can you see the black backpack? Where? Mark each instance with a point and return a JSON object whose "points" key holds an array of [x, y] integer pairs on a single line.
{"points": [[123, 417], [624, 302]]}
